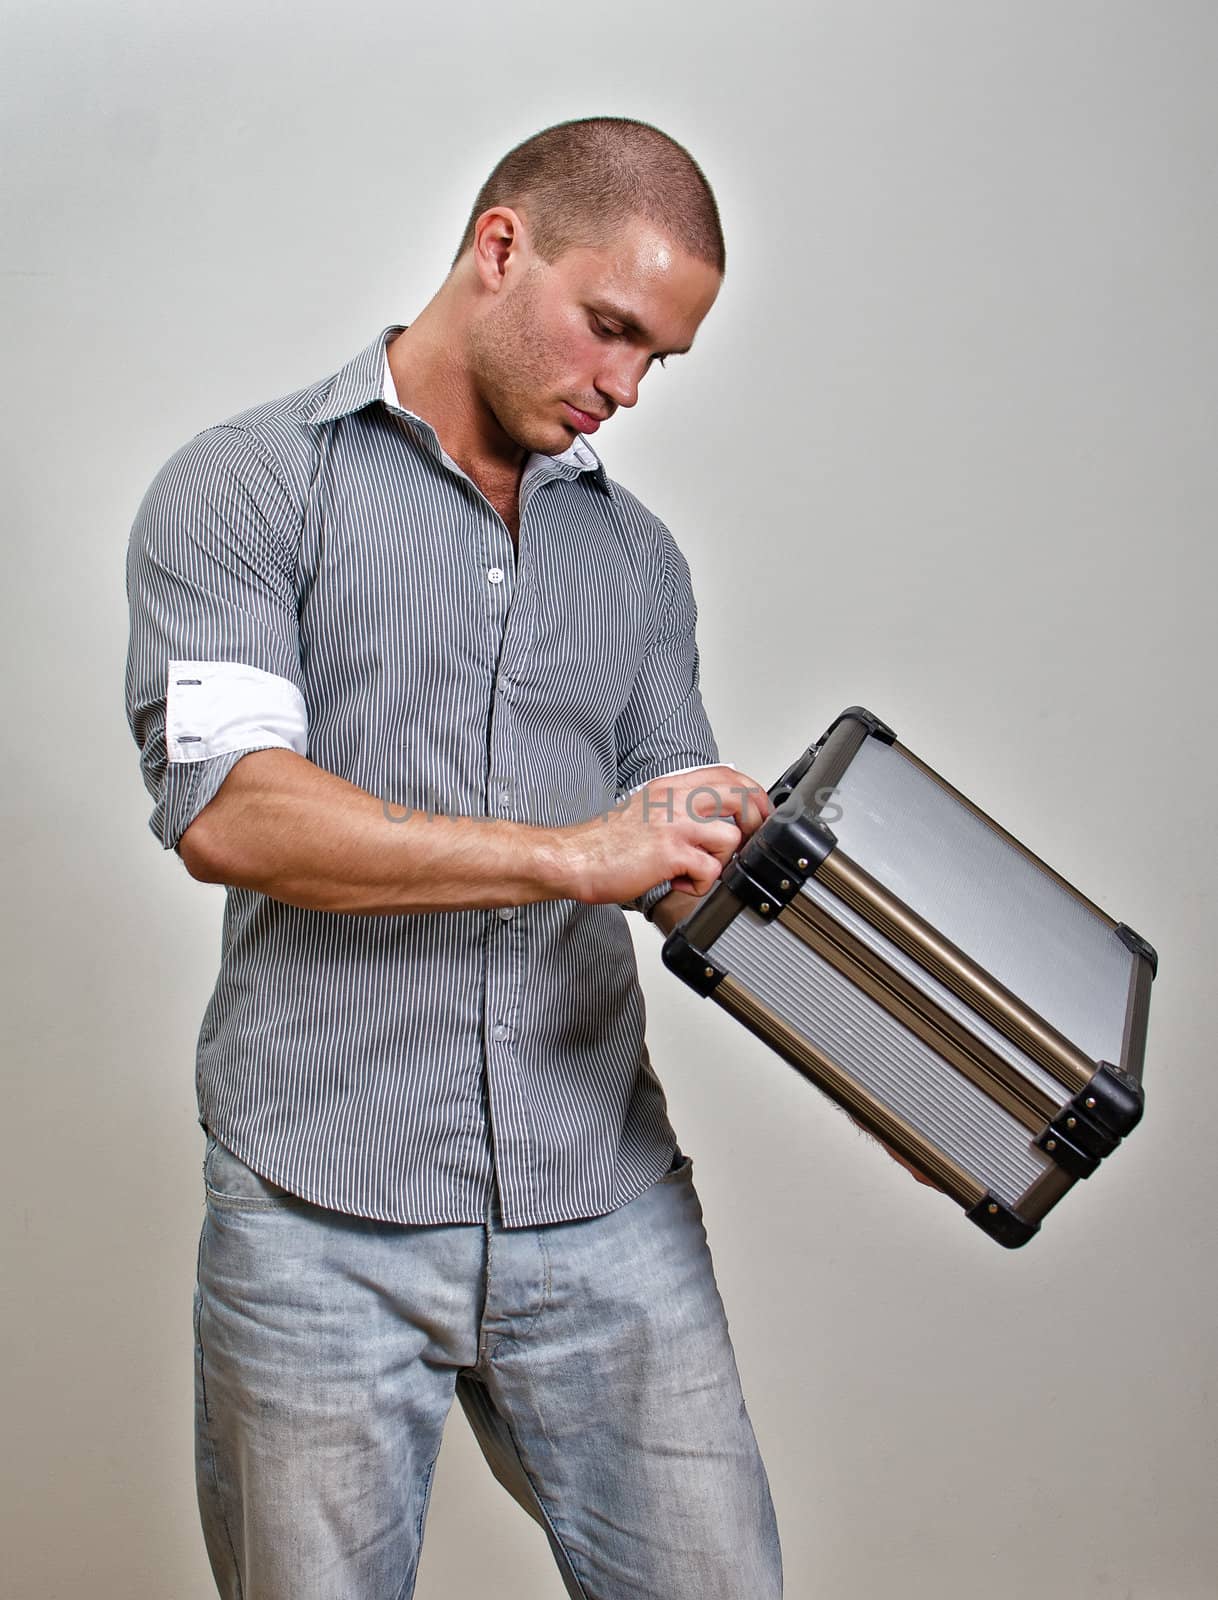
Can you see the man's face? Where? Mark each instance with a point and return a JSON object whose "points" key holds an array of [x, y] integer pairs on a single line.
{"points": [[571, 341]]}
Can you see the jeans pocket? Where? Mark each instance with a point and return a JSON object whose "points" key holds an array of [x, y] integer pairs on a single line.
{"points": [[230, 1183], [682, 1166]]}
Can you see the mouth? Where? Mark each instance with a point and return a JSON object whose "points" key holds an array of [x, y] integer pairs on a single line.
{"points": [[584, 420]]}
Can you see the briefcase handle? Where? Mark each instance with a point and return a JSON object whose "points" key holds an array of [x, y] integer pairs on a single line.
{"points": [[779, 791]]}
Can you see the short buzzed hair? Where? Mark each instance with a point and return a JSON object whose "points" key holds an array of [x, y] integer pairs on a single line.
{"points": [[578, 182]]}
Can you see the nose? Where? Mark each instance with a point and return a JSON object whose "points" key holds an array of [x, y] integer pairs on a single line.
{"points": [[619, 382]]}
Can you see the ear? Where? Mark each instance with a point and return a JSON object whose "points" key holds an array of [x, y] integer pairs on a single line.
{"points": [[500, 246]]}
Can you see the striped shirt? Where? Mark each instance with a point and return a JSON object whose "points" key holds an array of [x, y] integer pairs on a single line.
{"points": [[317, 574]]}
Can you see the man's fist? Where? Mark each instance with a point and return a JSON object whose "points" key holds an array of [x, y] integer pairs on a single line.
{"points": [[685, 828]]}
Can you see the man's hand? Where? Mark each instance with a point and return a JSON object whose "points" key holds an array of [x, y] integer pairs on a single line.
{"points": [[673, 908], [684, 828], [920, 1176]]}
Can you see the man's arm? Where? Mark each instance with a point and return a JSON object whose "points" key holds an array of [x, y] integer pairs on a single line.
{"points": [[213, 658], [287, 828]]}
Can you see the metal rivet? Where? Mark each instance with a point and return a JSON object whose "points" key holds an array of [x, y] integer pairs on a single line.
{"points": [[708, 972], [764, 907], [1071, 1122], [1050, 1144], [1089, 1102], [992, 1209], [802, 863], [785, 885]]}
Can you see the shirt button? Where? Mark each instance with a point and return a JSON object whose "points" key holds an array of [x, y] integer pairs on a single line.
{"points": [[507, 912], [500, 1031], [495, 574]]}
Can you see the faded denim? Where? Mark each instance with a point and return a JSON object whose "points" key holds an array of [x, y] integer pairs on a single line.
{"points": [[592, 1359]]}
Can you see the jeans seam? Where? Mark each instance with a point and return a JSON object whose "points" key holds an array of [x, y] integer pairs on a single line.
{"points": [[412, 1577], [207, 1438], [543, 1508]]}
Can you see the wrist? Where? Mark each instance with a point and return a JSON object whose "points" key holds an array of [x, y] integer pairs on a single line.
{"points": [[554, 869]]}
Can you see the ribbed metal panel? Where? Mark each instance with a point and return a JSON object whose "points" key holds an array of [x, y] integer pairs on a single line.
{"points": [[980, 892], [889, 1061], [930, 986]]}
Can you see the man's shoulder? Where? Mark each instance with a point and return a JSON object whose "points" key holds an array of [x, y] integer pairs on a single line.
{"points": [[286, 437], [645, 527], [280, 431], [272, 441], [648, 538]]}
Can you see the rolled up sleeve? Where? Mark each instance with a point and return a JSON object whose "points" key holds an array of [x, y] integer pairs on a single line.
{"points": [[213, 661]]}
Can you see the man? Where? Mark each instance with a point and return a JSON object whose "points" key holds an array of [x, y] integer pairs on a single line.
{"points": [[418, 682]]}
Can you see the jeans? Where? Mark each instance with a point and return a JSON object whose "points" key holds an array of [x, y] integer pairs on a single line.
{"points": [[592, 1359]]}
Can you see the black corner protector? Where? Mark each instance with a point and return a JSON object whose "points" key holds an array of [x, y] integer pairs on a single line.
{"points": [[795, 842], [689, 963], [1001, 1223], [1068, 1156], [752, 888], [872, 723], [1135, 942], [1113, 1099]]}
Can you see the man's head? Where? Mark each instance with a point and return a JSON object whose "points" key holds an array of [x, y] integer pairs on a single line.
{"points": [[593, 250]]}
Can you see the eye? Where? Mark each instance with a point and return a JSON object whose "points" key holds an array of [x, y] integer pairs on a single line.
{"points": [[604, 331]]}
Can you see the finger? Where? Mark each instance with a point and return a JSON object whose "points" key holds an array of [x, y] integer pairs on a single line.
{"points": [[704, 871], [755, 805], [718, 839], [758, 808], [732, 794]]}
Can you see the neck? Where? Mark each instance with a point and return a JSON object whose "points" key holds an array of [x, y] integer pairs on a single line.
{"points": [[432, 380]]}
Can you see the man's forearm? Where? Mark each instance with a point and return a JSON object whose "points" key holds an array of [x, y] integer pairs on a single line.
{"points": [[287, 828]]}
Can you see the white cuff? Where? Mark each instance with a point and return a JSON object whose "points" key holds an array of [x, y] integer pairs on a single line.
{"points": [[703, 766], [214, 707]]}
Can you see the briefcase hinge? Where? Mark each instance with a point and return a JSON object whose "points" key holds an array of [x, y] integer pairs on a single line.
{"points": [[1092, 1124], [1070, 1157], [1073, 1125]]}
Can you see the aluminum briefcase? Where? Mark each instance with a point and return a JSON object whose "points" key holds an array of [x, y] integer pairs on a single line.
{"points": [[956, 995]]}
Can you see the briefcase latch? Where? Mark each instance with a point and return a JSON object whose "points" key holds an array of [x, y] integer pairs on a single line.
{"points": [[777, 861]]}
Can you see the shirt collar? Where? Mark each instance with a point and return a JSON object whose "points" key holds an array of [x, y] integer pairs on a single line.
{"points": [[366, 379]]}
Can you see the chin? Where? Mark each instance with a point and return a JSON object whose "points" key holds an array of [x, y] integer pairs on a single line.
{"points": [[546, 441]]}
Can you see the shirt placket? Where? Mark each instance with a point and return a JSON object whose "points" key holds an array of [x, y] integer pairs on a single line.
{"points": [[507, 797]]}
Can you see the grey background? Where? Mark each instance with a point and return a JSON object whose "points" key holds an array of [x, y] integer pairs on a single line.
{"points": [[945, 447]]}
